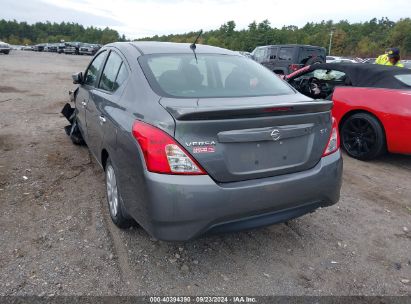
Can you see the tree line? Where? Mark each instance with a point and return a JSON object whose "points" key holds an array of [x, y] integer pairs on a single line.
{"points": [[22, 33], [365, 39]]}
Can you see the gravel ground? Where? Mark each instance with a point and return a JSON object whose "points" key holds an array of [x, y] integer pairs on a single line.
{"points": [[57, 238]]}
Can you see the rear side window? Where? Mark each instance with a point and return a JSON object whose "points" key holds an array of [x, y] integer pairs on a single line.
{"points": [[405, 79], [114, 72], [93, 69], [314, 54], [260, 54], [272, 53], [122, 75], [286, 53]]}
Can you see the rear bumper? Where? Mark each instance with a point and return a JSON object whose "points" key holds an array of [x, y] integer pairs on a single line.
{"points": [[182, 207]]}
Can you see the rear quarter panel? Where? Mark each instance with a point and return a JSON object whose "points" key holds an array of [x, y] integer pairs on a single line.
{"points": [[138, 102], [391, 107]]}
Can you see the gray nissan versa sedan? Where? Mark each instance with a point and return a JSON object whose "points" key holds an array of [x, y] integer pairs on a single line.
{"points": [[197, 139]]}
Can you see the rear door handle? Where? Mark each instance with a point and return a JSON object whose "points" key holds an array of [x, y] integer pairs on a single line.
{"points": [[102, 119]]}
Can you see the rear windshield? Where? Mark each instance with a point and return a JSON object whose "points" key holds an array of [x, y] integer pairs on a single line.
{"points": [[211, 75]]}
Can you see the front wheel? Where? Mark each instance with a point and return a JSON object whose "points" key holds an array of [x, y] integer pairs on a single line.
{"points": [[118, 214], [362, 136]]}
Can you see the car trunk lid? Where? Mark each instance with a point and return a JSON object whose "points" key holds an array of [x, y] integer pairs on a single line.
{"points": [[236, 139]]}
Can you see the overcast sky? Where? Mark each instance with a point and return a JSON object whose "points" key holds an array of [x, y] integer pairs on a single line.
{"points": [[141, 18]]}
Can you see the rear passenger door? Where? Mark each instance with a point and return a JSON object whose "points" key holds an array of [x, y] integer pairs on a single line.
{"points": [[104, 101]]}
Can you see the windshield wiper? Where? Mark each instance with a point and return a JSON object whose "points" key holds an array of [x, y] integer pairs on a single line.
{"points": [[193, 45]]}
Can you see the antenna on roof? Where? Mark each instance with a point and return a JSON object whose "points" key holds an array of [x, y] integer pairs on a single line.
{"points": [[193, 45]]}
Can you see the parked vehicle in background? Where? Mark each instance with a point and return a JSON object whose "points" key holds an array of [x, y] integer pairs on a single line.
{"points": [[329, 59], [39, 47], [52, 47], [245, 54], [201, 142], [73, 48], [372, 104], [61, 46], [369, 60], [27, 48], [345, 60], [357, 59], [406, 63], [89, 49], [4, 48], [339, 59], [16, 47], [285, 59]]}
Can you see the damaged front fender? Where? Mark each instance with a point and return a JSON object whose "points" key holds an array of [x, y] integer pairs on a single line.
{"points": [[69, 113], [73, 95]]}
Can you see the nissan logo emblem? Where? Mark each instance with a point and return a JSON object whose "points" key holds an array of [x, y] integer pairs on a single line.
{"points": [[275, 134]]}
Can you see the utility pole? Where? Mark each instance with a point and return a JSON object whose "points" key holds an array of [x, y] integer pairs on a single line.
{"points": [[331, 40]]}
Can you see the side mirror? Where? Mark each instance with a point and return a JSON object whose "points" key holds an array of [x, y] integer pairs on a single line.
{"points": [[77, 78]]}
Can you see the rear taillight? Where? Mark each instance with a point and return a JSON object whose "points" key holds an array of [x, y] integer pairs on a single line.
{"points": [[334, 141], [295, 67], [162, 153]]}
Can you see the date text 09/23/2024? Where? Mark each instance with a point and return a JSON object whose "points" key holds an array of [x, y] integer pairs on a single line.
{"points": [[203, 299]]}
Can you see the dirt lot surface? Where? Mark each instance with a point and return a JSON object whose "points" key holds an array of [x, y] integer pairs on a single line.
{"points": [[56, 236]]}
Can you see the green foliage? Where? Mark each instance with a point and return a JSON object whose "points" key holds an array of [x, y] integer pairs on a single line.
{"points": [[22, 33], [367, 39]]}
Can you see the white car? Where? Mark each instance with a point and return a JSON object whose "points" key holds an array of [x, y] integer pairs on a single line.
{"points": [[406, 63], [338, 59], [330, 59], [4, 48]]}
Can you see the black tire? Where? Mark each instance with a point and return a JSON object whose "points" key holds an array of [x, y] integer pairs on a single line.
{"points": [[6, 52], [362, 136], [118, 214]]}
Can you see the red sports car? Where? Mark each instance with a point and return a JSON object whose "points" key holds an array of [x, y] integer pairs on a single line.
{"points": [[372, 104]]}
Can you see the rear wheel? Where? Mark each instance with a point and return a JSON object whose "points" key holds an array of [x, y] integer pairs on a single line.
{"points": [[118, 214], [362, 136]]}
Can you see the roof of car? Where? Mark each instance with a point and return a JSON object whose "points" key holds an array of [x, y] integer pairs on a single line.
{"points": [[154, 47], [367, 75]]}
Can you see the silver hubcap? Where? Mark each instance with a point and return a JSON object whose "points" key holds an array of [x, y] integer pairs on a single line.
{"points": [[112, 193]]}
